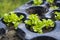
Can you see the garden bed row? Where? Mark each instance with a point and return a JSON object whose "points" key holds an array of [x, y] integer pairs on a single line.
{"points": [[34, 21]]}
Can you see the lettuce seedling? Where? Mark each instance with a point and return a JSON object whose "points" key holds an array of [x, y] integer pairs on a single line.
{"points": [[48, 23], [38, 2], [54, 7], [12, 18], [32, 19], [50, 1], [57, 15], [37, 25]]}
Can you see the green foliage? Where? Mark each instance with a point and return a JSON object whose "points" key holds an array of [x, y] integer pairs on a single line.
{"points": [[48, 23], [9, 5], [50, 1], [37, 25], [57, 15], [54, 7], [38, 2], [13, 18], [32, 19], [52, 4]]}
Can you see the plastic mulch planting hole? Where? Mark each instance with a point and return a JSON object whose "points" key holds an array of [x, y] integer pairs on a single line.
{"points": [[43, 29], [37, 10], [44, 38], [18, 14], [56, 14]]}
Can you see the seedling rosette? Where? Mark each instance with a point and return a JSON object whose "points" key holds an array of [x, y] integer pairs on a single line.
{"points": [[37, 25]]}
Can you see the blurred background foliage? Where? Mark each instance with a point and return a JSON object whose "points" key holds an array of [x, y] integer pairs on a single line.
{"points": [[10, 5]]}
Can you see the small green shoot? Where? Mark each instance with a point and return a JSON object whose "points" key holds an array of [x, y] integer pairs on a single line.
{"points": [[48, 23], [50, 1], [38, 2], [54, 7], [57, 15]]}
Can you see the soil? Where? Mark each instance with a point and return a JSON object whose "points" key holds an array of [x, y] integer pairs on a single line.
{"points": [[10, 35], [47, 30], [41, 11], [36, 10]]}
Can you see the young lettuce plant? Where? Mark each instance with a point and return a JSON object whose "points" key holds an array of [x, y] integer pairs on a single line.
{"points": [[37, 25], [57, 15], [32, 19], [54, 7], [12, 18], [48, 23], [50, 1], [38, 2]]}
